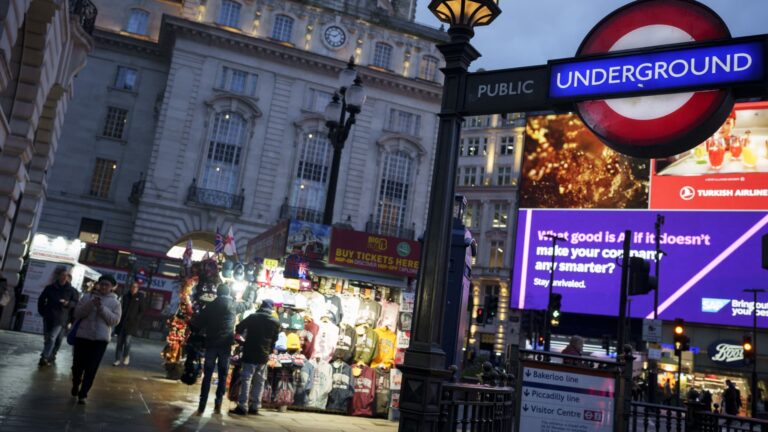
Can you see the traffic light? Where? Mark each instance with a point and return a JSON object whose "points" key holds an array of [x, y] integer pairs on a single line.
{"points": [[682, 342], [492, 305], [555, 301], [480, 317], [749, 349], [640, 280]]}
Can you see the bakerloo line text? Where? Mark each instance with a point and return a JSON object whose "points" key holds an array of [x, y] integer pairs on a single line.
{"points": [[653, 71]]}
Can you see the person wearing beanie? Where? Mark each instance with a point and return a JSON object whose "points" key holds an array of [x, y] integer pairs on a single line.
{"points": [[217, 322], [261, 330]]}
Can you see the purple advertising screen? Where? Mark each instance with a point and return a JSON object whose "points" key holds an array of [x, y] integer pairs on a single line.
{"points": [[711, 257]]}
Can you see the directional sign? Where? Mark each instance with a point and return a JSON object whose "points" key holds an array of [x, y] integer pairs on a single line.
{"points": [[507, 91], [560, 400], [652, 330]]}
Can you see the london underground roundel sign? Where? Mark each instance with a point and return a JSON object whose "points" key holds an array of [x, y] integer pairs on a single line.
{"points": [[659, 125]]}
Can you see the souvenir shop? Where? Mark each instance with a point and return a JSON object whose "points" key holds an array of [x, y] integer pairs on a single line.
{"points": [[343, 330]]}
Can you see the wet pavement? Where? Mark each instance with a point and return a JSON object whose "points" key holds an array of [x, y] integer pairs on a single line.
{"points": [[136, 398]]}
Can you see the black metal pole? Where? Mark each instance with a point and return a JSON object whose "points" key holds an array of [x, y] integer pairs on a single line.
{"points": [[621, 337], [424, 369], [547, 313], [679, 374], [652, 366], [337, 138], [753, 388]]}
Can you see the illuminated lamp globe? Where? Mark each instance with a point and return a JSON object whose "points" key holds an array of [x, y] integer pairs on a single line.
{"points": [[466, 14]]}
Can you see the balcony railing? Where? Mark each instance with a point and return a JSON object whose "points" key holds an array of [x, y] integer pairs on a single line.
{"points": [[301, 213], [215, 198], [389, 230], [86, 12]]}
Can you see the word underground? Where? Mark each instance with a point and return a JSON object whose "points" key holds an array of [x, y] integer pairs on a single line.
{"points": [[698, 66]]}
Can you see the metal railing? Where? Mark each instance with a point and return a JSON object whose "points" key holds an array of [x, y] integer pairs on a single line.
{"points": [[656, 418], [86, 12], [215, 198], [714, 422], [476, 408], [389, 230], [301, 213]]}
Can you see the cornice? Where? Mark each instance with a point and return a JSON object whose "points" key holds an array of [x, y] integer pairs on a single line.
{"points": [[105, 37], [173, 27]]}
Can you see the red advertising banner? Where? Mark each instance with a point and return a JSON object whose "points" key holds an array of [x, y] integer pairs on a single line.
{"points": [[729, 171], [374, 253]]}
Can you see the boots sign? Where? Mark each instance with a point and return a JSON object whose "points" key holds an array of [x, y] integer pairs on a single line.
{"points": [[726, 353], [653, 79]]}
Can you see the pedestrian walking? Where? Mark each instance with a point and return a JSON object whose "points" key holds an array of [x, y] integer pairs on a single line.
{"points": [[261, 330], [575, 348], [96, 315], [731, 399], [217, 322], [133, 306], [54, 305]]}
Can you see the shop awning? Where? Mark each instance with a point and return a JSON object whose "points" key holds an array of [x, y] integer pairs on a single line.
{"points": [[371, 278]]}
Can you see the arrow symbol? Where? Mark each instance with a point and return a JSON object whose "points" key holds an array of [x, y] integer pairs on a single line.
{"points": [[525, 408], [527, 373], [526, 392]]}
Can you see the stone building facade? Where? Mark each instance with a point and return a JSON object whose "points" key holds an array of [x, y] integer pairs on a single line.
{"points": [[43, 45], [200, 115]]}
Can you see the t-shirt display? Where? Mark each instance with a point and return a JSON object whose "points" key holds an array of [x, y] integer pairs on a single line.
{"points": [[341, 387], [389, 314], [350, 304], [325, 342], [368, 312], [308, 338], [365, 346], [385, 348], [321, 384], [345, 347], [333, 305], [381, 400], [365, 392]]}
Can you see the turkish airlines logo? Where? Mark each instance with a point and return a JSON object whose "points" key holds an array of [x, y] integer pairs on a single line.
{"points": [[687, 193]]}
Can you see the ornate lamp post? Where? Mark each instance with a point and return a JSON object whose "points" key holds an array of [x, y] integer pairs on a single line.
{"points": [[424, 369], [339, 118]]}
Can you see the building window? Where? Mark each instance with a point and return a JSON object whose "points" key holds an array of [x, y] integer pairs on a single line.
{"points": [[492, 290], [473, 146], [507, 145], [382, 55], [404, 122], [138, 22], [394, 189], [310, 186], [477, 122], [473, 176], [114, 125], [497, 254], [90, 230], [504, 177], [472, 214], [222, 166], [283, 29], [101, 180], [317, 100], [237, 81], [428, 69], [500, 214], [125, 78], [229, 15]]}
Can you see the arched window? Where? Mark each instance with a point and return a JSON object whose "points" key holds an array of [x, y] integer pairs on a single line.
{"points": [[428, 70], [138, 22], [394, 189], [225, 146], [314, 162], [283, 28], [229, 15], [382, 55]]}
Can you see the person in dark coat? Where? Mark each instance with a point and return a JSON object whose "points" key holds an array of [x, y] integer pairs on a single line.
{"points": [[731, 399], [217, 322], [261, 330], [54, 305], [133, 306]]}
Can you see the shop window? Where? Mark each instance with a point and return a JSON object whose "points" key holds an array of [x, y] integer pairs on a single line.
{"points": [[90, 230], [496, 257], [222, 166], [101, 180], [428, 70], [229, 15], [114, 124], [382, 55], [283, 28], [500, 214], [125, 79], [404, 122], [394, 189], [314, 163], [138, 22]]}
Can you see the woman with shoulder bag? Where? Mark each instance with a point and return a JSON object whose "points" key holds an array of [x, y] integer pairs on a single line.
{"points": [[96, 314]]}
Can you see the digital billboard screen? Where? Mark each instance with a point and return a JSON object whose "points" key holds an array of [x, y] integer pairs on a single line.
{"points": [[711, 257]]}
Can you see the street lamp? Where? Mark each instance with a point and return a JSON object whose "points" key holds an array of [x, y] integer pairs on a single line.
{"points": [[424, 368], [339, 117], [753, 384]]}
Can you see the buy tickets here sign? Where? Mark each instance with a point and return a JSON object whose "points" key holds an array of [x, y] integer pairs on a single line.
{"points": [[375, 253]]}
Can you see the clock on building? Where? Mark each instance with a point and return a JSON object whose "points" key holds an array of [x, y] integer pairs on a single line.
{"points": [[334, 36]]}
